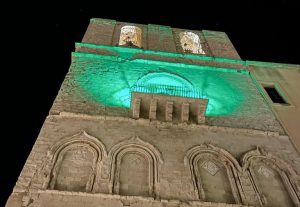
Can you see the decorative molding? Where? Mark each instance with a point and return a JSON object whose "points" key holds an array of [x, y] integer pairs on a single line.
{"points": [[160, 124], [261, 153], [211, 148], [288, 175], [178, 109], [213, 154], [134, 199], [82, 136], [131, 36], [55, 156], [210, 167], [149, 152]]}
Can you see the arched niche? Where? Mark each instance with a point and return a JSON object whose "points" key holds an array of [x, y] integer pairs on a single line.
{"points": [[74, 162], [131, 36], [156, 82], [275, 181], [214, 172], [190, 42], [135, 168], [165, 83], [161, 78]]}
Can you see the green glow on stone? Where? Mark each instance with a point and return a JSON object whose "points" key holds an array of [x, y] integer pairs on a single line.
{"points": [[130, 52], [126, 52], [122, 97], [126, 57], [159, 83], [109, 80], [164, 78]]}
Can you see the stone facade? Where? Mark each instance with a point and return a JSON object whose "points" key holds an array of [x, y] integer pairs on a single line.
{"points": [[117, 137]]}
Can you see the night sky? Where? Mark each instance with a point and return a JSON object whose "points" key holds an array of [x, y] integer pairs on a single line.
{"points": [[40, 42]]}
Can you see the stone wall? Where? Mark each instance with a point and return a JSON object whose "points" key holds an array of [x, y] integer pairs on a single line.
{"points": [[198, 153], [87, 85], [91, 152], [159, 38]]}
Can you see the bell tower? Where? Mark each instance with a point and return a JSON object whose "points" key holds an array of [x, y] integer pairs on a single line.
{"points": [[150, 115]]}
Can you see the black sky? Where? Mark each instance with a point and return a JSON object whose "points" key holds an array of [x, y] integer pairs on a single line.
{"points": [[41, 39]]}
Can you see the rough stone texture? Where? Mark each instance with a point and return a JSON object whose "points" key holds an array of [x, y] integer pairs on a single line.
{"points": [[169, 162], [254, 113], [58, 199], [100, 32], [220, 45], [168, 108], [88, 154], [159, 38], [165, 56]]}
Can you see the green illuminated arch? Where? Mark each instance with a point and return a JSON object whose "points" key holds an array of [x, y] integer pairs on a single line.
{"points": [[110, 83], [164, 78], [159, 83]]}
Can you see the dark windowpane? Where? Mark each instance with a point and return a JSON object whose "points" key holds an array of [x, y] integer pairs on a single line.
{"points": [[274, 95]]}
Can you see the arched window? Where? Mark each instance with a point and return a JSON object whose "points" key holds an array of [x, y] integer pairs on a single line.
{"points": [[134, 169], [74, 168], [131, 36], [190, 42], [74, 163], [213, 173], [274, 179]]}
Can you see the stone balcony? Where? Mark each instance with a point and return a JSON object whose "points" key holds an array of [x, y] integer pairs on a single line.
{"points": [[168, 108]]}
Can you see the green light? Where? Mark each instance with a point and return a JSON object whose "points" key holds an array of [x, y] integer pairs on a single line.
{"points": [[130, 52], [159, 83], [164, 78], [109, 81], [122, 97]]}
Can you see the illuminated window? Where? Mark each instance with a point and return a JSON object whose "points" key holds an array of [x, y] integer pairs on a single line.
{"points": [[275, 95], [131, 36], [190, 42]]}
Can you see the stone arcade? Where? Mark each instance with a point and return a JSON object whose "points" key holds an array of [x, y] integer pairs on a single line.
{"points": [[154, 116]]}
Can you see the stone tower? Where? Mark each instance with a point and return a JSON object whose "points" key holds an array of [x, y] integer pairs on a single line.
{"points": [[154, 116]]}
